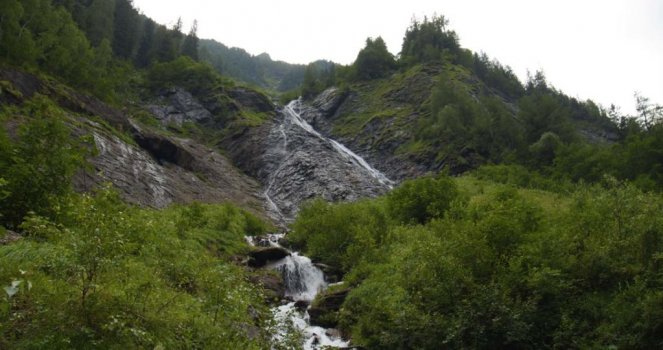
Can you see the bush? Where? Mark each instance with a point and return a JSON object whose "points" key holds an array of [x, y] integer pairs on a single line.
{"points": [[38, 168], [508, 268], [183, 72], [110, 275], [418, 201], [340, 235]]}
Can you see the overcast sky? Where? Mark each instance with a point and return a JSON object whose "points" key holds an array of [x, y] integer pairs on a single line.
{"points": [[599, 49]]}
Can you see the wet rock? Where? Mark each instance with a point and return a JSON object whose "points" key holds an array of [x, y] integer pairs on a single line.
{"points": [[323, 311], [165, 150], [271, 283], [379, 139], [298, 164], [302, 304], [260, 257], [328, 101], [168, 170]]}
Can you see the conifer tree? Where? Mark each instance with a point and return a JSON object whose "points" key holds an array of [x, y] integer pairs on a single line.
{"points": [[190, 45], [125, 29]]}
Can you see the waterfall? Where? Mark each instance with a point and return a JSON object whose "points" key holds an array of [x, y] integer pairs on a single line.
{"points": [[295, 118], [303, 281]]}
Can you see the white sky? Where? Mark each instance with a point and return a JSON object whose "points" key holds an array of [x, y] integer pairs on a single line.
{"points": [[599, 49]]}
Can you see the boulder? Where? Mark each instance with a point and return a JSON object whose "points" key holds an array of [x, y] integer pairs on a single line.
{"points": [[260, 257], [302, 304], [272, 284], [332, 274], [323, 311]]}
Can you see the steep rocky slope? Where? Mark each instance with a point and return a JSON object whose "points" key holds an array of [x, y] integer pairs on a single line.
{"points": [[172, 149], [382, 119], [295, 164], [149, 168]]}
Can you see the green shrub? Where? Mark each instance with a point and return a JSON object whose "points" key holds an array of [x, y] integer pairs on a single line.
{"points": [[110, 275], [39, 166], [418, 201]]}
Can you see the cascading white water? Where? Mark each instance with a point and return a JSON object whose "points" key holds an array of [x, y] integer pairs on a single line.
{"points": [[301, 278], [294, 117], [303, 281]]}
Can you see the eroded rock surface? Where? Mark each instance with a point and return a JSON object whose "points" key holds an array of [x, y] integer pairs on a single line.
{"points": [[376, 142], [300, 164], [168, 170]]}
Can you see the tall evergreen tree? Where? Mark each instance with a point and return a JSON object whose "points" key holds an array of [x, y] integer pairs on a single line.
{"points": [[125, 29], [374, 61], [190, 45], [99, 18], [168, 42], [145, 49], [16, 42], [428, 41]]}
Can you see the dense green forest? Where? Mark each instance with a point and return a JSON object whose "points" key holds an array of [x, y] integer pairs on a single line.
{"points": [[550, 235]]}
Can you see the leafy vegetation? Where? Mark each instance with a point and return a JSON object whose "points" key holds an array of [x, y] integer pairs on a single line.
{"points": [[373, 61], [105, 274], [37, 169], [92, 271], [497, 266]]}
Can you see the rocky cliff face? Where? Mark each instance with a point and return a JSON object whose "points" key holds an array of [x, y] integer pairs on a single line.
{"points": [[299, 163], [273, 167], [377, 141], [295, 163], [147, 167], [159, 170]]}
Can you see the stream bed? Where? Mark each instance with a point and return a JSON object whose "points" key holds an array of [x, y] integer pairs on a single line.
{"points": [[303, 281]]}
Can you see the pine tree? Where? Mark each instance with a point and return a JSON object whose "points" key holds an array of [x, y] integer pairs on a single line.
{"points": [[145, 49], [125, 29], [99, 20], [190, 45]]}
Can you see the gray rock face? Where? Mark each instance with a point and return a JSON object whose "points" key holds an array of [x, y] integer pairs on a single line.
{"points": [[260, 257], [178, 106], [370, 143], [299, 164], [167, 170]]}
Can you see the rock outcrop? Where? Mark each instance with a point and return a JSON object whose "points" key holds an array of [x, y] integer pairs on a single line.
{"points": [[260, 257], [300, 164], [324, 309], [178, 106], [375, 142], [147, 167], [167, 170]]}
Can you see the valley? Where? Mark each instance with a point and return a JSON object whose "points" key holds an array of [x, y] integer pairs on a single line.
{"points": [[161, 191]]}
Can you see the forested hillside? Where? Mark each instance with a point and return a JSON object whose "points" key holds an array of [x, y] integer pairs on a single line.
{"points": [[259, 70], [89, 270], [438, 106]]}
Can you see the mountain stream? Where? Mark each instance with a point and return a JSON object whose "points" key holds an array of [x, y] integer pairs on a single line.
{"points": [[302, 280]]}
